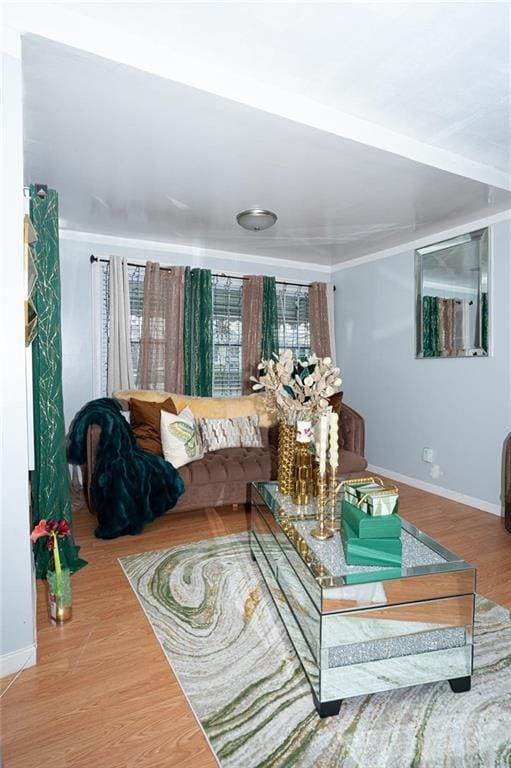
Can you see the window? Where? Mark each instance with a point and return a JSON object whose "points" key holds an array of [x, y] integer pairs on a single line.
{"points": [[292, 317], [136, 287], [227, 293]]}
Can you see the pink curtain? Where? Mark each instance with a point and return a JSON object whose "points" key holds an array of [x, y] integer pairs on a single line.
{"points": [[251, 317], [318, 317], [446, 325], [161, 364]]}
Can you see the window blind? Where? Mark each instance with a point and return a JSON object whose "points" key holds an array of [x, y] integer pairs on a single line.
{"points": [[227, 296], [292, 316]]}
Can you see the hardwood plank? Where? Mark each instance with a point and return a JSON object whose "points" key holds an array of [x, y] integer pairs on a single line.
{"points": [[104, 679]]}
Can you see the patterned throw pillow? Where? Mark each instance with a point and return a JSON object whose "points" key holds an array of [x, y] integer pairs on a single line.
{"points": [[250, 431], [231, 433], [180, 438]]}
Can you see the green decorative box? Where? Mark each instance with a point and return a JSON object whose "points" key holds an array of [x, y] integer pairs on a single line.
{"points": [[368, 526], [370, 551], [372, 496]]}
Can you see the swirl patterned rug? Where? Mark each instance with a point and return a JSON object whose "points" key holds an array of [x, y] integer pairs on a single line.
{"points": [[216, 623]]}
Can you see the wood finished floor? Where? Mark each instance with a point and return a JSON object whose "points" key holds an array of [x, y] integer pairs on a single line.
{"points": [[102, 694]]}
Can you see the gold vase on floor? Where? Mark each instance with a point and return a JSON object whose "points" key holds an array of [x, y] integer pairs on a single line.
{"points": [[286, 469], [303, 474]]}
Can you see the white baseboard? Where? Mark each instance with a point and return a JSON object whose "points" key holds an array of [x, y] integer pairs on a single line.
{"points": [[17, 660], [470, 501]]}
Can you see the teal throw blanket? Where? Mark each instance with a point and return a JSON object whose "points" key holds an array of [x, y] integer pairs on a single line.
{"points": [[129, 487]]}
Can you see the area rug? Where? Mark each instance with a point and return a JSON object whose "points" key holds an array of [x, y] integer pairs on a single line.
{"points": [[218, 627]]}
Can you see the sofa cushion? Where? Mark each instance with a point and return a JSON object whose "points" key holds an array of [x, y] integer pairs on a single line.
{"points": [[241, 432], [220, 433], [228, 465], [180, 438], [145, 422]]}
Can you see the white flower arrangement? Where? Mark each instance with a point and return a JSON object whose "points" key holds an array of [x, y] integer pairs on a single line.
{"points": [[299, 388]]}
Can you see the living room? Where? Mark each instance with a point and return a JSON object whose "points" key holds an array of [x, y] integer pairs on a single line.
{"points": [[350, 129]]}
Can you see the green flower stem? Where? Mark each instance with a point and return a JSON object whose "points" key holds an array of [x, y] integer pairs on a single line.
{"points": [[58, 568]]}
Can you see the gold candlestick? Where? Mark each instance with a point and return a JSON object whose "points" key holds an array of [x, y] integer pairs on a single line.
{"points": [[321, 532], [333, 490], [315, 477], [320, 493]]}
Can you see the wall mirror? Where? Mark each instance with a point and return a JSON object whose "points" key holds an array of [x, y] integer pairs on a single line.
{"points": [[451, 281]]}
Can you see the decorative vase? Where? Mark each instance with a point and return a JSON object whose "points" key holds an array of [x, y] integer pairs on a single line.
{"points": [[286, 468], [59, 594], [303, 474]]}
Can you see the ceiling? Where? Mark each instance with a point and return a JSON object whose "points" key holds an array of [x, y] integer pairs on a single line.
{"points": [[439, 72], [141, 156]]}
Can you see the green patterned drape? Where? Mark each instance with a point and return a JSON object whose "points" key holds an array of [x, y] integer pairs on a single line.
{"points": [[430, 339], [198, 333], [484, 321], [269, 325], [50, 478]]}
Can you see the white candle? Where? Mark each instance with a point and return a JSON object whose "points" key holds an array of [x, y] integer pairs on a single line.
{"points": [[334, 440], [323, 438]]}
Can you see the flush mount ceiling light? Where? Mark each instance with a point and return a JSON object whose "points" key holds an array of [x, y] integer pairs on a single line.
{"points": [[256, 219]]}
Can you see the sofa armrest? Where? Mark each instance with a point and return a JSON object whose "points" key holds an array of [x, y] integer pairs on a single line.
{"points": [[92, 440], [507, 483], [352, 431], [93, 435]]}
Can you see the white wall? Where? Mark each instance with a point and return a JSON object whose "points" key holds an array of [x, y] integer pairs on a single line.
{"points": [[77, 309], [17, 647], [459, 407]]}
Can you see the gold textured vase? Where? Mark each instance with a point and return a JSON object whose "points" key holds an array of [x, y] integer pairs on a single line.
{"points": [[303, 474], [286, 468]]}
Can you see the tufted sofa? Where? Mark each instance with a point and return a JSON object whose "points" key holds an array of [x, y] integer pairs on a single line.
{"points": [[223, 477]]}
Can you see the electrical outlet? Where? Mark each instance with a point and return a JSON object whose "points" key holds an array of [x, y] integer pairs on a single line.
{"points": [[427, 455]]}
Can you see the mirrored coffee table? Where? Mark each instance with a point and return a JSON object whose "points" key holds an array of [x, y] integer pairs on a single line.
{"points": [[363, 629]]}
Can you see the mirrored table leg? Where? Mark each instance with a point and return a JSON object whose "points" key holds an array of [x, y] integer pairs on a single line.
{"points": [[461, 684], [327, 708]]}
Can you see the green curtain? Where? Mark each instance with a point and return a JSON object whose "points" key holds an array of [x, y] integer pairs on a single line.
{"points": [[430, 339], [484, 321], [50, 478], [198, 333], [269, 324]]}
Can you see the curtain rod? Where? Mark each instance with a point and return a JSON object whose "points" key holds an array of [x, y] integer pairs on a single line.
{"points": [[214, 274]]}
